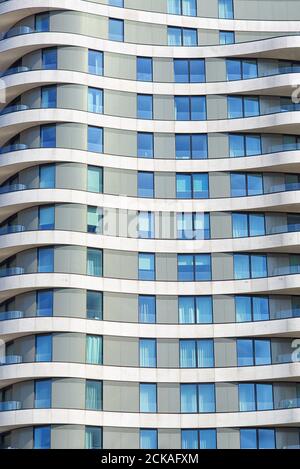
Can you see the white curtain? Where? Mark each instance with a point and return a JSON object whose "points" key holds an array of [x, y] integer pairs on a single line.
{"points": [[187, 310], [188, 354], [174, 7], [94, 349], [205, 353]]}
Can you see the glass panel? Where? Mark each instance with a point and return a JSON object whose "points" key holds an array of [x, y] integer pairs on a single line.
{"points": [[239, 225], [262, 352], [94, 349], [198, 108], [147, 309], [236, 146], [49, 58], [93, 395], [257, 224], [204, 310], [48, 136], [94, 305], [94, 220], [144, 106], [226, 9], [146, 225], [148, 398], [190, 37], [148, 353], [206, 398], [94, 262], [93, 436], [188, 398], [266, 438], [205, 353], [238, 185], [199, 146], [42, 394], [258, 266], [174, 7], [185, 226], [264, 393], [145, 184], [46, 259], [234, 69], [243, 309], [181, 71], [174, 36], [200, 186], [95, 102], [247, 397], [202, 267], [42, 437], [145, 145], [245, 352], [235, 107], [116, 3], [189, 439], [197, 71], [185, 267], [189, 7], [226, 37], [208, 439], [241, 266], [48, 97], [47, 176], [144, 68], [95, 139], [183, 146], [260, 308], [94, 179], [188, 354], [255, 184], [183, 186], [146, 266], [182, 108], [249, 69], [248, 439], [186, 306], [44, 303], [46, 217], [43, 348], [253, 145], [148, 439], [95, 60], [251, 106], [116, 30], [42, 22]]}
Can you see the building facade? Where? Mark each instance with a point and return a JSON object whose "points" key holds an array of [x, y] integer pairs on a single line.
{"points": [[149, 222]]}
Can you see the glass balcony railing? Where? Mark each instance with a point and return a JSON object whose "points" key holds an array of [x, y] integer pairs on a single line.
{"points": [[15, 147], [11, 229], [17, 31], [10, 405], [13, 70], [8, 315], [11, 271], [289, 403], [11, 360], [12, 188], [14, 108]]}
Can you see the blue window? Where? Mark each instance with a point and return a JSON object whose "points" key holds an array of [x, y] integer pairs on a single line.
{"points": [[95, 139], [248, 438], [193, 225], [250, 266], [196, 353], [190, 186], [246, 184], [148, 398], [244, 145], [253, 352], [254, 308], [264, 396], [48, 136], [95, 62], [145, 106], [145, 145], [199, 439], [93, 438], [146, 266], [262, 438], [43, 348], [144, 69], [190, 108], [148, 439], [48, 99], [239, 106], [116, 3], [93, 395], [148, 353], [46, 217], [94, 219], [249, 69], [226, 9], [227, 37], [244, 225], [42, 22], [46, 259], [116, 30], [193, 146], [42, 394], [95, 100], [182, 7], [94, 305], [197, 398], [146, 225], [255, 397], [94, 262], [94, 350], [42, 437], [95, 179], [49, 58], [145, 184], [189, 71], [194, 267], [195, 309], [241, 69], [247, 397], [44, 301], [147, 309], [260, 308], [182, 36]]}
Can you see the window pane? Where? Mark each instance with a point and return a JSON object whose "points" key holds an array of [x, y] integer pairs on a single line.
{"points": [[255, 184], [46, 259], [144, 68], [93, 436], [148, 439], [144, 106], [185, 226], [116, 3], [145, 184], [257, 224], [226, 9], [43, 348], [47, 176], [93, 395], [204, 309], [146, 267], [236, 146], [181, 71], [189, 439], [183, 186], [95, 60], [146, 225], [258, 266], [42, 437], [234, 69], [197, 71], [226, 37], [202, 267], [251, 106], [235, 107], [174, 36], [188, 398], [239, 225], [174, 7], [147, 309], [186, 306], [199, 146], [205, 353], [208, 439], [148, 353], [95, 139], [48, 136], [116, 30], [249, 69], [94, 262], [241, 266], [206, 398], [95, 101], [200, 186], [94, 220], [247, 397], [44, 303], [42, 22], [188, 354], [46, 217], [262, 352], [182, 108], [183, 146], [185, 267], [260, 308], [145, 145], [198, 108], [94, 179], [48, 97], [189, 7], [248, 439], [49, 58], [42, 394], [264, 393], [94, 349], [245, 352], [94, 305], [190, 37], [148, 398], [238, 185], [253, 145], [266, 438], [243, 309]]}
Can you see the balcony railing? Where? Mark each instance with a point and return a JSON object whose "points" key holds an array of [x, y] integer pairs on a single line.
{"points": [[10, 405]]}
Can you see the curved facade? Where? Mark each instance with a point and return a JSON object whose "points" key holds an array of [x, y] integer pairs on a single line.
{"points": [[149, 224]]}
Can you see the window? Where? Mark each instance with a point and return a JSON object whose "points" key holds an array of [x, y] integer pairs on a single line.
{"points": [[249, 266], [94, 179], [146, 225], [93, 438], [47, 176], [192, 186], [255, 397], [148, 398], [148, 353], [194, 267], [262, 438], [44, 302], [43, 348], [49, 58], [254, 308], [116, 3], [46, 259], [94, 351], [95, 139], [147, 309], [46, 217], [199, 439], [145, 184], [116, 30], [195, 309], [227, 37], [191, 146], [196, 353], [48, 136], [197, 398], [226, 9], [93, 395], [144, 69], [239, 106], [193, 225], [94, 262], [246, 184], [95, 62], [241, 69], [145, 106], [253, 352], [182, 36], [42, 394], [148, 439], [42, 22], [95, 102], [146, 266], [189, 71], [182, 7], [94, 219], [145, 145], [190, 108], [48, 99], [244, 145], [94, 305], [42, 437], [244, 225]]}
